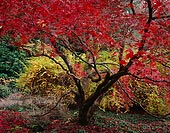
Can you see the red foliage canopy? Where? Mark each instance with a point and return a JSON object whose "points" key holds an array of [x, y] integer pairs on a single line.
{"points": [[140, 29]]}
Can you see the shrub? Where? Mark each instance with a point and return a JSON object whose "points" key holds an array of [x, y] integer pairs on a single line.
{"points": [[12, 122], [7, 86], [150, 98], [116, 100], [4, 91], [147, 95], [12, 60], [155, 104], [43, 77]]}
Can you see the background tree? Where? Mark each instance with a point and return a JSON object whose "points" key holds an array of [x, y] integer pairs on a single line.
{"points": [[136, 32]]}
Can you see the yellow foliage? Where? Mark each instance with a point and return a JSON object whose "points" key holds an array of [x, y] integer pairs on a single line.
{"points": [[114, 101], [149, 97], [44, 77], [155, 104]]}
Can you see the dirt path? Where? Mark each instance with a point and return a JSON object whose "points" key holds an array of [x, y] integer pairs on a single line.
{"points": [[12, 99]]}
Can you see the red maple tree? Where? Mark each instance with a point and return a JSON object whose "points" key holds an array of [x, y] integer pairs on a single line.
{"points": [[137, 30]]}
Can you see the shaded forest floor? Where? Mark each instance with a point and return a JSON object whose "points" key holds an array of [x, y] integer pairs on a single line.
{"points": [[62, 120]]}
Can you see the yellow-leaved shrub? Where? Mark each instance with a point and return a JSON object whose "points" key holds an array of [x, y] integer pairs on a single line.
{"points": [[113, 100], [155, 104], [148, 96], [44, 77]]}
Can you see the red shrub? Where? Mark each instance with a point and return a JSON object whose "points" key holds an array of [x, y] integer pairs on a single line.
{"points": [[12, 121]]}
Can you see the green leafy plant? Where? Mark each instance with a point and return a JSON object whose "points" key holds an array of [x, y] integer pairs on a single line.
{"points": [[12, 60], [4, 91], [7, 86]]}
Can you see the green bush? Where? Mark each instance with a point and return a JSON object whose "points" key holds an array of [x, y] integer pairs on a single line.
{"points": [[12, 60], [4, 91]]}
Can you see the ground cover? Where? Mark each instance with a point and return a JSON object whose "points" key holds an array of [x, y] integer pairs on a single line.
{"points": [[65, 121]]}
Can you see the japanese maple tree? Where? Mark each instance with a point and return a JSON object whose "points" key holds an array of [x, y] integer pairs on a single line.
{"points": [[136, 32]]}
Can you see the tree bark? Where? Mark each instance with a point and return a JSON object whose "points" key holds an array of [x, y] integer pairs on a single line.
{"points": [[85, 108], [84, 115]]}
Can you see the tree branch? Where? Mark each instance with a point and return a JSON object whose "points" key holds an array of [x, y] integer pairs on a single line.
{"points": [[132, 7], [161, 17], [72, 50], [143, 41], [94, 66], [71, 91], [53, 59], [148, 78], [77, 80]]}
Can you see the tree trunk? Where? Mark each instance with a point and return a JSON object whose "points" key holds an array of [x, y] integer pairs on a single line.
{"points": [[84, 115], [85, 108], [86, 112]]}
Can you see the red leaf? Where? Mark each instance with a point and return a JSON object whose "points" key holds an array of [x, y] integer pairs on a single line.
{"points": [[52, 39], [157, 4], [131, 5], [114, 54], [24, 39], [52, 55], [130, 53], [141, 53], [154, 28], [122, 62], [138, 44]]}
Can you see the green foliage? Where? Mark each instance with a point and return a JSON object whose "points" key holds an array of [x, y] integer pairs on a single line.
{"points": [[12, 60], [7, 86], [4, 91]]}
